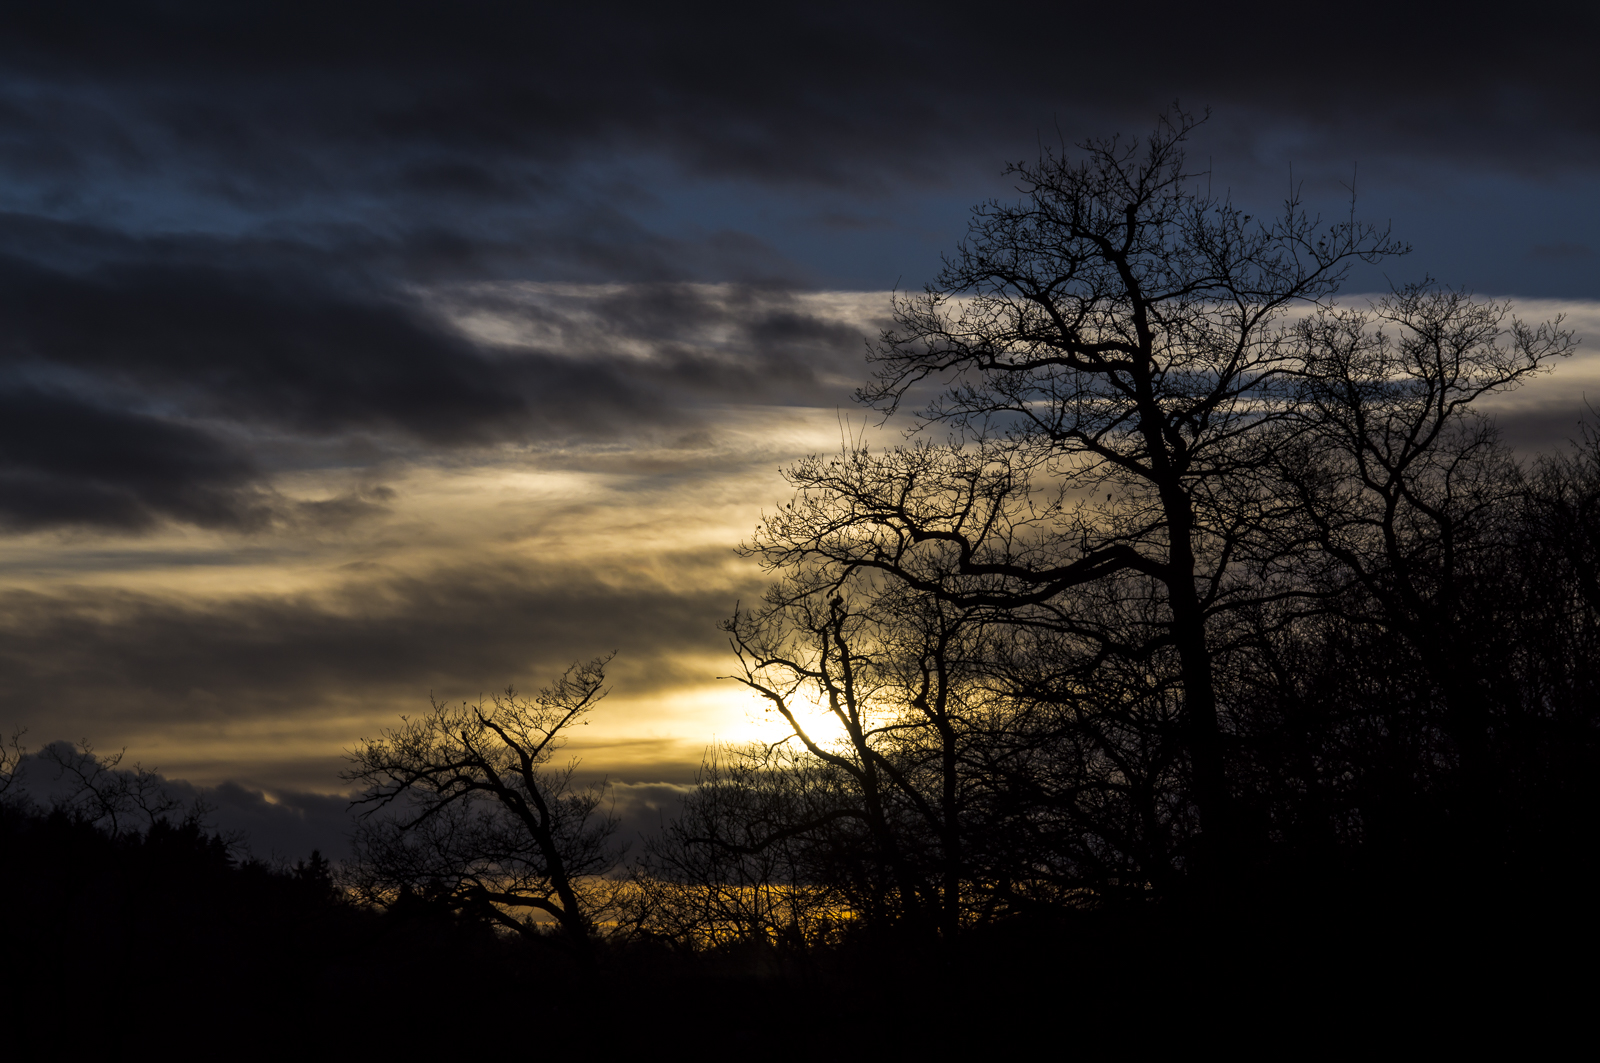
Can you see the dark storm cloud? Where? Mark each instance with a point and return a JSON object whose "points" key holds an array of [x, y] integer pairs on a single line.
{"points": [[219, 216], [1561, 251], [286, 826], [228, 331], [102, 658], [268, 103], [1552, 426], [306, 338], [125, 354], [121, 358], [642, 809], [63, 461], [694, 343]]}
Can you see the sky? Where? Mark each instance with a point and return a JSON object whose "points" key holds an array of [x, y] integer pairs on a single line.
{"points": [[352, 356]]}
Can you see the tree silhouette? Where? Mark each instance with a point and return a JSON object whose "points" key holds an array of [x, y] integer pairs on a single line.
{"points": [[749, 858], [885, 667], [105, 793], [1403, 484], [1128, 331], [12, 751], [462, 804], [1193, 495]]}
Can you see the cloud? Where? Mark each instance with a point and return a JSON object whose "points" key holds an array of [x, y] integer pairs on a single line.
{"points": [[280, 825], [273, 686], [63, 461], [283, 825], [496, 623], [642, 808], [1561, 251], [244, 240], [460, 122], [680, 344], [168, 379], [226, 333]]}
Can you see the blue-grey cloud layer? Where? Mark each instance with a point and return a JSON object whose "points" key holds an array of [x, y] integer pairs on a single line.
{"points": [[217, 214]]}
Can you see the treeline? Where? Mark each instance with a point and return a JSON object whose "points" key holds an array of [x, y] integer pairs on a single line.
{"points": [[160, 929], [1423, 737], [1223, 595]]}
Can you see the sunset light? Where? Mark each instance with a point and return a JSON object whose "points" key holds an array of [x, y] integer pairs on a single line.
{"points": [[825, 523]]}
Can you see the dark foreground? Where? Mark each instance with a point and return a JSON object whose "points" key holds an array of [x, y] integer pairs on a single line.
{"points": [[162, 939]]}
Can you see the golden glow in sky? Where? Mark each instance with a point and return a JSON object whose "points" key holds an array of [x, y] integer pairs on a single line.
{"points": [[261, 655]]}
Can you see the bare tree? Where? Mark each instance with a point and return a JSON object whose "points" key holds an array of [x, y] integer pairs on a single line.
{"points": [[1047, 707], [464, 801], [1404, 485], [744, 861], [12, 751], [1126, 333], [105, 793], [885, 668], [1564, 505], [1073, 650]]}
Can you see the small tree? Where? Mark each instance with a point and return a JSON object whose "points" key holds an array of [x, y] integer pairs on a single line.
{"points": [[463, 803], [106, 794], [11, 754]]}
